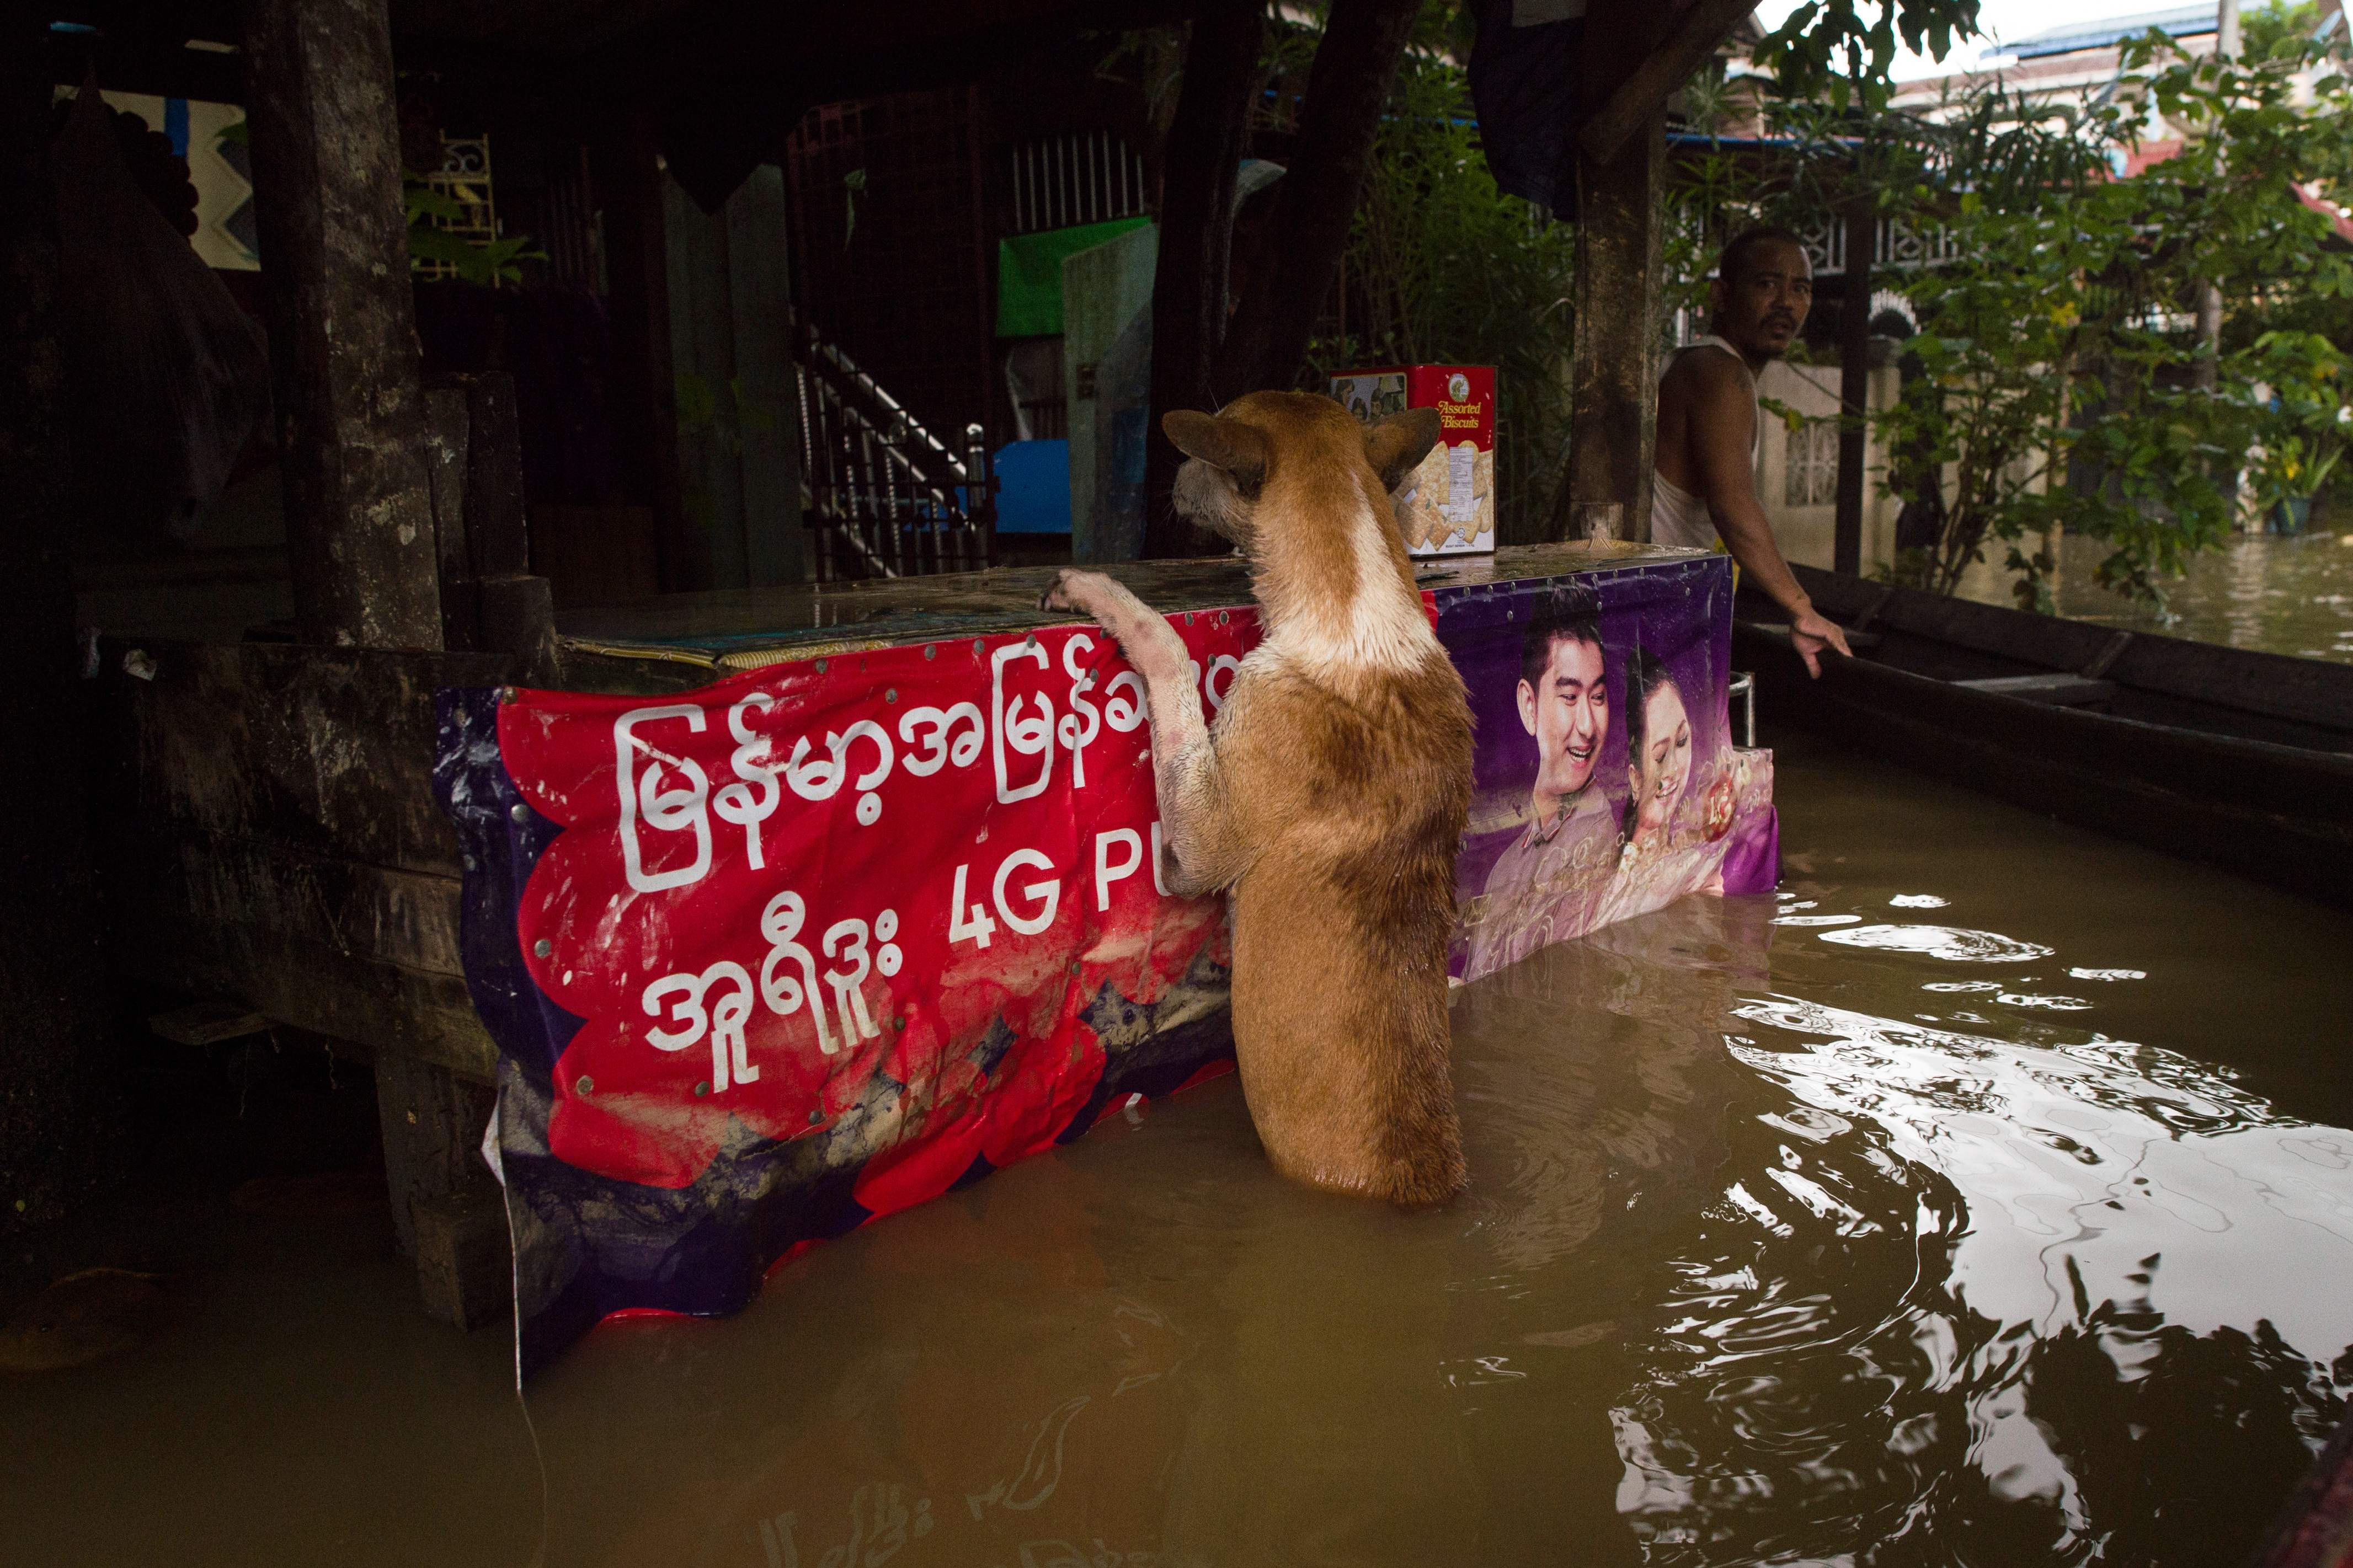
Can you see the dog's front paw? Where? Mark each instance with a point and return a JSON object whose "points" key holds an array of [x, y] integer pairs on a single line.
{"points": [[1072, 589]]}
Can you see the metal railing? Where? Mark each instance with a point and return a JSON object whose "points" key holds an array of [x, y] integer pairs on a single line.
{"points": [[1086, 176], [886, 497], [1895, 246]]}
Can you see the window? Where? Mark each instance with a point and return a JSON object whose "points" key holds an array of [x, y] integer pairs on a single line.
{"points": [[1811, 469]]}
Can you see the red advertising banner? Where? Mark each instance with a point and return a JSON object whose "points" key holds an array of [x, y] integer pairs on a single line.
{"points": [[970, 859]]}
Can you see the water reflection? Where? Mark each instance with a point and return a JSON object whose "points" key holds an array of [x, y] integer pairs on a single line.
{"points": [[2290, 594], [1769, 1257], [2125, 1296]]}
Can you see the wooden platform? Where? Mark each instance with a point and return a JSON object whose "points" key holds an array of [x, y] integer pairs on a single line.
{"points": [[745, 628]]}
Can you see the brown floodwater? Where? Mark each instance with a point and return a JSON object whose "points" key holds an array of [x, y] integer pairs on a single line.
{"points": [[1985, 1198], [2279, 593]]}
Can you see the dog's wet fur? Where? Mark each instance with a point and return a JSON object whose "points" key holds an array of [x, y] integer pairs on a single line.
{"points": [[1330, 795]]}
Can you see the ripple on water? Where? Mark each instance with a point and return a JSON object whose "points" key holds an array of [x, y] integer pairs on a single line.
{"points": [[1949, 943], [1950, 1268]]}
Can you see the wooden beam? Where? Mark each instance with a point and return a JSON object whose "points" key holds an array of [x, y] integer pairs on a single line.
{"points": [[1855, 383], [342, 335], [1188, 285], [1643, 91]]}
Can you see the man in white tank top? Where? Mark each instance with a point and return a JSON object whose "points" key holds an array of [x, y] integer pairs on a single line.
{"points": [[1709, 430]]}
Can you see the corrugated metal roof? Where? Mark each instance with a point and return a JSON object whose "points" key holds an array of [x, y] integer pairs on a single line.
{"points": [[2181, 21]]}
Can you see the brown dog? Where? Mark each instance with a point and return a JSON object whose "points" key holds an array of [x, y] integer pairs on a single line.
{"points": [[1331, 794]]}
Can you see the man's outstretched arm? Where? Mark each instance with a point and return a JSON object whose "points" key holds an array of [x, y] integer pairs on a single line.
{"points": [[1722, 424]]}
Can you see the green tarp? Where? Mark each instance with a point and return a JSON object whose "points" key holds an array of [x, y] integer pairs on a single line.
{"points": [[1029, 275]]}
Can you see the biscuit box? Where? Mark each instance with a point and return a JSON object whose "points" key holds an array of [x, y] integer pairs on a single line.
{"points": [[1447, 507]]}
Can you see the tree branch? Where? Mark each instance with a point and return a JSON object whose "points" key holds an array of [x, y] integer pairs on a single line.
{"points": [[1693, 38], [1347, 90]]}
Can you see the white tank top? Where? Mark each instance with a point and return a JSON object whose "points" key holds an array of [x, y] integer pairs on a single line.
{"points": [[1677, 516]]}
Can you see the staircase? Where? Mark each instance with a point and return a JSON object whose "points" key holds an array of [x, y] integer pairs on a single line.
{"points": [[884, 496]]}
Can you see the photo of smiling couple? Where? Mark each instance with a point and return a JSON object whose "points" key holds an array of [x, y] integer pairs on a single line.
{"points": [[1636, 784]]}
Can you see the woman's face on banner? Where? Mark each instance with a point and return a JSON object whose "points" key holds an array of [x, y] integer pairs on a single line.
{"points": [[1658, 774]]}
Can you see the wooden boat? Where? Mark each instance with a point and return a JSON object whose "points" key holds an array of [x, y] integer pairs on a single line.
{"points": [[2243, 760]]}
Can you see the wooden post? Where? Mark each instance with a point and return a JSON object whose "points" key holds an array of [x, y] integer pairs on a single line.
{"points": [[1855, 383], [354, 449], [1614, 367], [55, 1072], [644, 389], [342, 336], [1188, 283], [446, 1213]]}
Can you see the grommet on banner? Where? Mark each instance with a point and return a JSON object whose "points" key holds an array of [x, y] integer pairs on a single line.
{"points": [[931, 651], [820, 667], [585, 1084], [543, 948], [890, 694], [520, 812], [816, 1117], [701, 1089]]}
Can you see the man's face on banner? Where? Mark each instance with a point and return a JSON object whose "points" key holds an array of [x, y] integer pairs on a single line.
{"points": [[1569, 717]]}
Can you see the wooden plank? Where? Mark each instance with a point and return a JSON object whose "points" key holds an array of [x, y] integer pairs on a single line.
{"points": [[207, 1023], [329, 751], [914, 609], [404, 917], [2306, 691], [2046, 640], [2063, 690], [382, 1006]]}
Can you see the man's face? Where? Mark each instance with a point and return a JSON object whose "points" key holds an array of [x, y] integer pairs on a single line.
{"points": [[1759, 310], [1569, 717]]}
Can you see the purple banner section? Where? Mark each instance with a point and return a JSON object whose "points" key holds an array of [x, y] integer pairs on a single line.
{"points": [[768, 959], [1607, 785]]}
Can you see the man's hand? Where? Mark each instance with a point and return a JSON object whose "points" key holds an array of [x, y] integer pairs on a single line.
{"points": [[1810, 634]]}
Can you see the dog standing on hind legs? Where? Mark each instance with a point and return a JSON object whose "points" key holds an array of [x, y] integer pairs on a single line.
{"points": [[1329, 796]]}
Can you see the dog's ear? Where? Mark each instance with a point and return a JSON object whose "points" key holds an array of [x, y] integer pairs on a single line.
{"points": [[1240, 450], [1399, 442]]}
